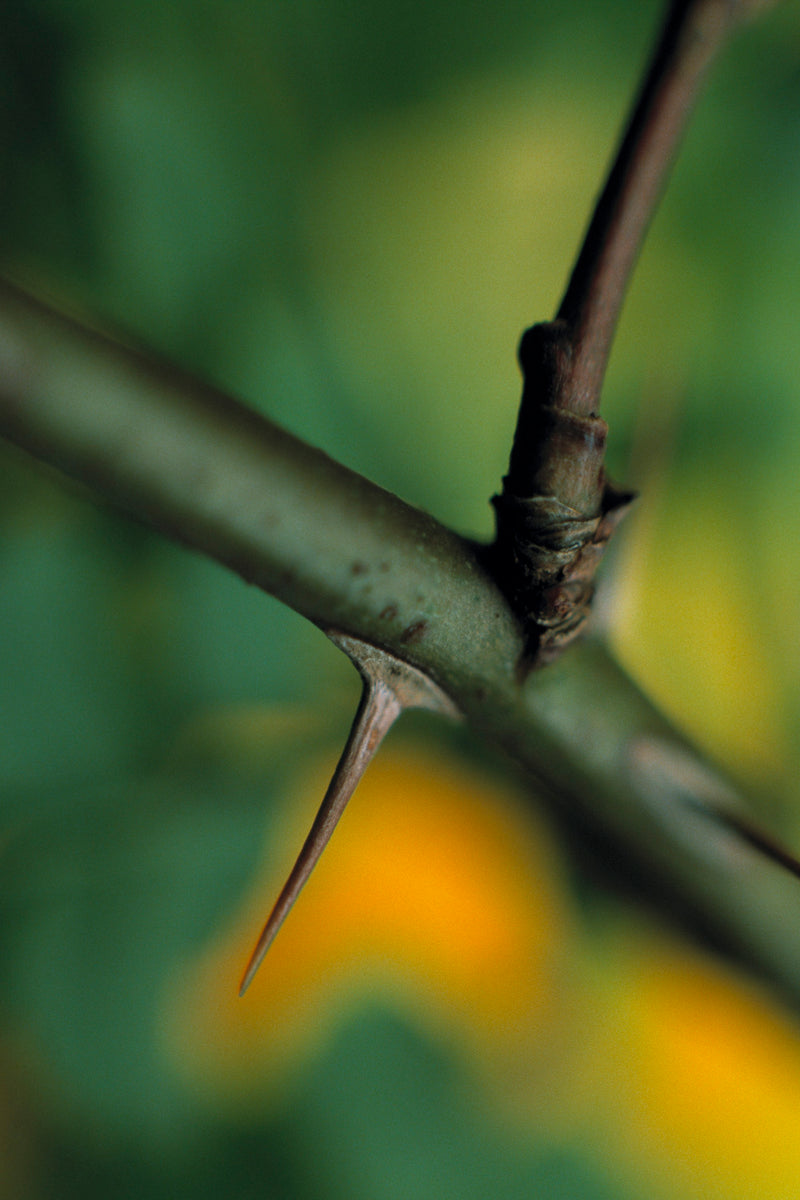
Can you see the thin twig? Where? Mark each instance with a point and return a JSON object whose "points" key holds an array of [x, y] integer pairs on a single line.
{"points": [[693, 33], [557, 509]]}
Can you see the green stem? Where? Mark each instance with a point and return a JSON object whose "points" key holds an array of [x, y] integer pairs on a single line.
{"points": [[348, 555], [209, 472]]}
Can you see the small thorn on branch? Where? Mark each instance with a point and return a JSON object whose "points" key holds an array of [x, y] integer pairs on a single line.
{"points": [[390, 686]]}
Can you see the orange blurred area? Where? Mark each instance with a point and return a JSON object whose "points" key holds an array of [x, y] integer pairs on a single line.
{"points": [[439, 896], [701, 1072], [687, 609]]}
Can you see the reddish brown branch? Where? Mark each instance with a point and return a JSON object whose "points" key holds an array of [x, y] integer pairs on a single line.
{"points": [[693, 33], [557, 510]]}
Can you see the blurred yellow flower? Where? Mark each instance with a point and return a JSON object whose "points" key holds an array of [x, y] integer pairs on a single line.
{"points": [[688, 626], [441, 897], [437, 895], [699, 1075]]}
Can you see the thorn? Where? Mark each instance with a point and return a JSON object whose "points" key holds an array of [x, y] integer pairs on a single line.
{"points": [[390, 687]]}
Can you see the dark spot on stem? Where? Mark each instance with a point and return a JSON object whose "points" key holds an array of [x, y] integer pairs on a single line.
{"points": [[414, 633], [358, 568], [389, 613]]}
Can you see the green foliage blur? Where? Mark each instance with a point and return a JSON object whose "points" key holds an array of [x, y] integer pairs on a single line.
{"points": [[346, 213]]}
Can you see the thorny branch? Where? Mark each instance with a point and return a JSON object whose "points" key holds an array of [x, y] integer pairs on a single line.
{"points": [[349, 556]]}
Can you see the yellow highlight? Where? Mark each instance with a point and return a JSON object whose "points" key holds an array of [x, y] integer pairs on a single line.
{"points": [[706, 1090], [435, 896], [440, 898], [688, 627]]}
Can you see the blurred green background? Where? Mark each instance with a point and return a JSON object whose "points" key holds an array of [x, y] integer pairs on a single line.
{"points": [[346, 213]]}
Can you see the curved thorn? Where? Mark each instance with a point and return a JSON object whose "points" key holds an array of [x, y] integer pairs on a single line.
{"points": [[390, 686], [376, 714]]}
